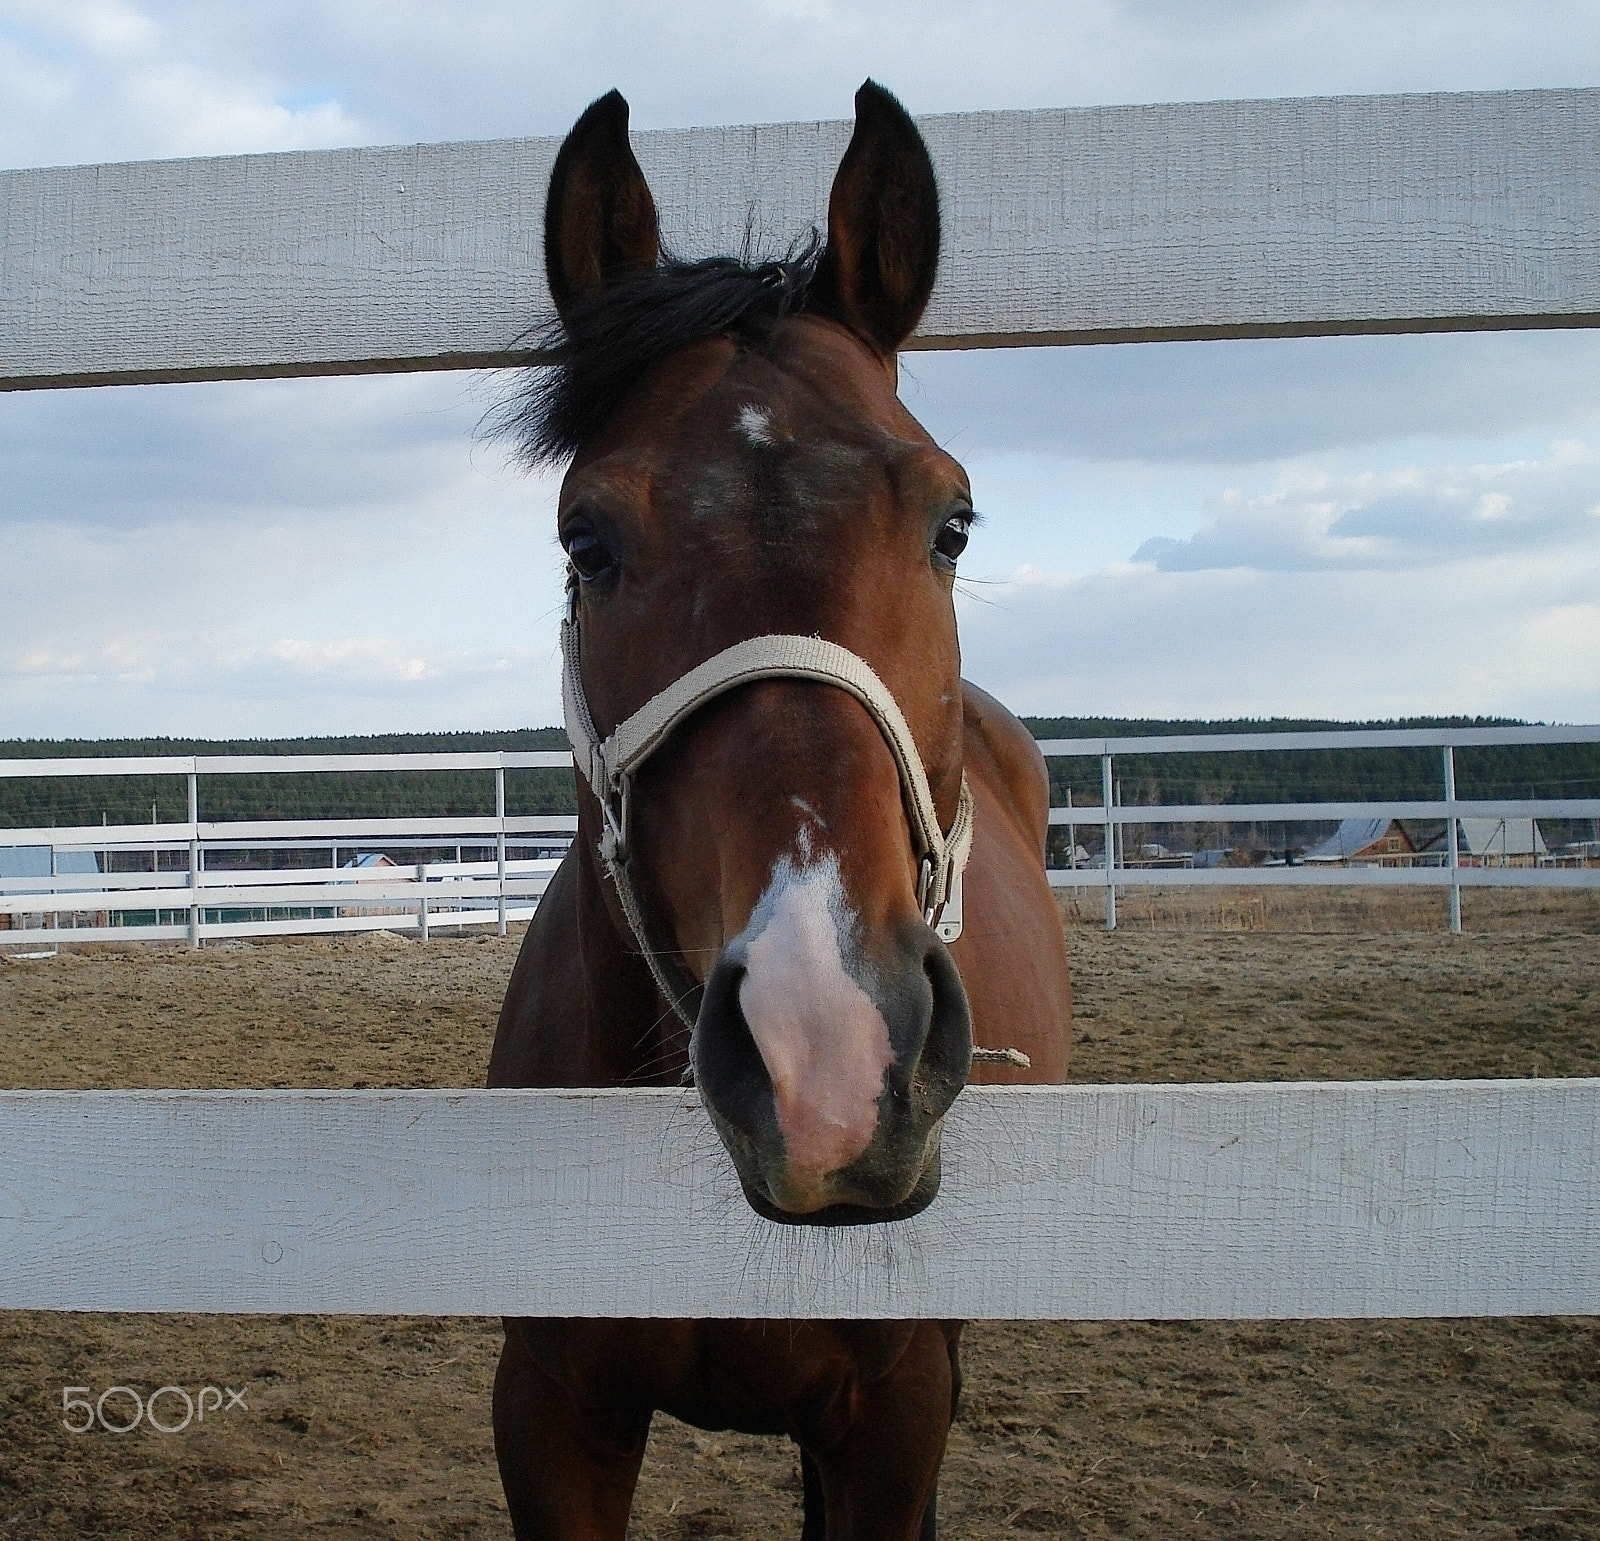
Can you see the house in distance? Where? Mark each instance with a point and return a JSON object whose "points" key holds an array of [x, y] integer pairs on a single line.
{"points": [[1510, 842], [1384, 842]]}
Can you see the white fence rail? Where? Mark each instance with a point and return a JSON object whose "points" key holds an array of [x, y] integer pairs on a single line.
{"points": [[1098, 224], [1352, 1199]]}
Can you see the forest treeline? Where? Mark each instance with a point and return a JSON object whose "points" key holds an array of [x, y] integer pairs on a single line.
{"points": [[1315, 775], [1555, 770], [77, 800]]}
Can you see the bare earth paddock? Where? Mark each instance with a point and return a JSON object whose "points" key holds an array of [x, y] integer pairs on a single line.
{"points": [[380, 1427]]}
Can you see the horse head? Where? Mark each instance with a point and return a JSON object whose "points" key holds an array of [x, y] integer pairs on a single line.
{"points": [[743, 469]]}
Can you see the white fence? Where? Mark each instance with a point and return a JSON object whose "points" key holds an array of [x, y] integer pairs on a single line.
{"points": [[1356, 1199], [1438, 212], [201, 903], [1225, 219], [430, 893], [1112, 873]]}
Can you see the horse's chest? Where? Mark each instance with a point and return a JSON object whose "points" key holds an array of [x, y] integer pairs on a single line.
{"points": [[769, 1377], [762, 1377]]}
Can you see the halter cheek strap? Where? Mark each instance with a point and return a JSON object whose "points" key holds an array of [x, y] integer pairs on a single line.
{"points": [[609, 765]]}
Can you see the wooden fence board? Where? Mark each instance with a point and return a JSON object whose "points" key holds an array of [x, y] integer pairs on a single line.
{"points": [[1217, 219], [1356, 1199]]}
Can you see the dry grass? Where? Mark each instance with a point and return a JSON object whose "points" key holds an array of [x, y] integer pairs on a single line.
{"points": [[1352, 911]]}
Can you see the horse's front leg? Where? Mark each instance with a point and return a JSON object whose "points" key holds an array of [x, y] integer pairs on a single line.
{"points": [[876, 1462], [568, 1471]]}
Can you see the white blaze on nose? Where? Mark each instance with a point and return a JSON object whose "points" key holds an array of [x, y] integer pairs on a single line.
{"points": [[823, 1040]]}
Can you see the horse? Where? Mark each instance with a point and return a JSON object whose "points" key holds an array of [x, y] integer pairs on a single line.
{"points": [[781, 776]]}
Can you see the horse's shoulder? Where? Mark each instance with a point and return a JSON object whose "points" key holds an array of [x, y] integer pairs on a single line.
{"points": [[1001, 752], [538, 1038]]}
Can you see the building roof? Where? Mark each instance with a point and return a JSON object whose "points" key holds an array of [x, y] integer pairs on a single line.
{"points": [[1351, 836], [1502, 837]]}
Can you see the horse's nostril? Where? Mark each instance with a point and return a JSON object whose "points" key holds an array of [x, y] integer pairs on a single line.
{"points": [[946, 1057], [726, 1062]]}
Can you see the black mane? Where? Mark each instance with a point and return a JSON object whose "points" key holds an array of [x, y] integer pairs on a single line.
{"points": [[589, 357]]}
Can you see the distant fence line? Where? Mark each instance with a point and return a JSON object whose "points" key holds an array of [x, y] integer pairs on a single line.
{"points": [[1112, 873], [198, 898], [200, 902]]}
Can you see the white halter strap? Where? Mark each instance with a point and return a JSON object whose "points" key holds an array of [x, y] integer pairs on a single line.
{"points": [[609, 765]]}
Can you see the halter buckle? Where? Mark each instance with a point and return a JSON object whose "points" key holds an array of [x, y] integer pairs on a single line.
{"points": [[618, 811]]}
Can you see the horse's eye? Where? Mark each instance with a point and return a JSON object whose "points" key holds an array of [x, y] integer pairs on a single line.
{"points": [[952, 540], [590, 560]]}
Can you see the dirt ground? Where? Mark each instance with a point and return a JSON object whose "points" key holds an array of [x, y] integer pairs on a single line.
{"points": [[368, 1427]]}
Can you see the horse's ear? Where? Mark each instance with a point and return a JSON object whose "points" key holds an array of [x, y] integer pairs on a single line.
{"points": [[883, 226], [599, 218]]}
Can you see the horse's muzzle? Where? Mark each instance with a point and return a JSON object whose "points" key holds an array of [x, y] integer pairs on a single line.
{"points": [[828, 1082]]}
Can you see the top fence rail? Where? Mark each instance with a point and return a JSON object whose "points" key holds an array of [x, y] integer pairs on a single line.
{"points": [[1336, 738], [554, 759], [1431, 212], [557, 759]]}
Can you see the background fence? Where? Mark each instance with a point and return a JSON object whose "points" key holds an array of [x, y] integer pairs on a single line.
{"points": [[262, 877], [1446, 870], [210, 880]]}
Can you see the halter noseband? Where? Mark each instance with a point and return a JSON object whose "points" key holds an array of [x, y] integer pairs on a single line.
{"points": [[609, 765]]}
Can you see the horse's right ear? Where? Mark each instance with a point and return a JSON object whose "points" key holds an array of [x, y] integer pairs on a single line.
{"points": [[878, 268], [599, 218]]}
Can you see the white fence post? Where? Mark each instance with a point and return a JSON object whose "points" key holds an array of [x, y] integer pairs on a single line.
{"points": [[194, 860], [422, 903], [1448, 754], [500, 844], [1111, 842]]}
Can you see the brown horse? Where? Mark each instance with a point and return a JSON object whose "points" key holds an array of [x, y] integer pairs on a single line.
{"points": [[755, 897]]}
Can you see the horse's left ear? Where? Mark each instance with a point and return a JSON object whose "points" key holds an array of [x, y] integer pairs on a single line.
{"points": [[883, 226], [599, 217]]}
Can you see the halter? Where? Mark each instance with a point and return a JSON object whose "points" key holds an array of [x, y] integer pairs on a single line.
{"points": [[609, 765]]}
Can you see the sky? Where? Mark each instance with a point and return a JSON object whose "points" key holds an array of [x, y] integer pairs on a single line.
{"points": [[1338, 527]]}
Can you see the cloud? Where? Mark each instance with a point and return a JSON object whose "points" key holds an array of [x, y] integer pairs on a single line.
{"points": [[1404, 518], [343, 555], [238, 663], [283, 556], [465, 69], [235, 684], [1238, 402], [114, 79], [110, 80], [1516, 635], [131, 455]]}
